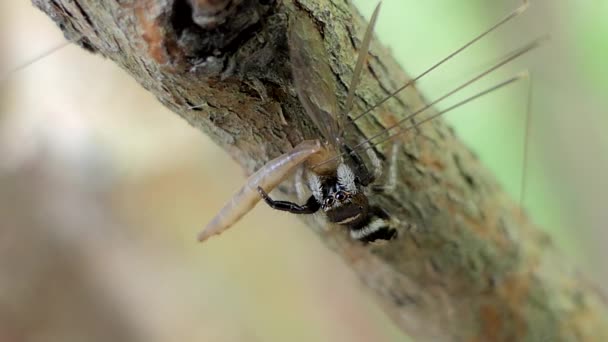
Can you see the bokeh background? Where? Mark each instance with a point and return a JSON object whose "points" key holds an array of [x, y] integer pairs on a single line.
{"points": [[98, 214]]}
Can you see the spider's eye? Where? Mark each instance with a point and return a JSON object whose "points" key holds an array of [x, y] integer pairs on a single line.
{"points": [[329, 201], [340, 196]]}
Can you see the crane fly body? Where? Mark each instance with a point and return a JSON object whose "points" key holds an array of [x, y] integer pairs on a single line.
{"points": [[336, 175]]}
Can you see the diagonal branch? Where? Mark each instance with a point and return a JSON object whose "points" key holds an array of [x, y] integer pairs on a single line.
{"points": [[469, 268]]}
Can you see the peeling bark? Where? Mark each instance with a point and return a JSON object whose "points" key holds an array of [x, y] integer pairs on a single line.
{"points": [[471, 268]]}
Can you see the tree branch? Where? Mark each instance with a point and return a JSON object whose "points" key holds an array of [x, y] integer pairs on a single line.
{"points": [[471, 268]]}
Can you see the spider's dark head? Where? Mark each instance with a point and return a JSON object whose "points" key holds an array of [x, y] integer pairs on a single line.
{"points": [[343, 200], [349, 211]]}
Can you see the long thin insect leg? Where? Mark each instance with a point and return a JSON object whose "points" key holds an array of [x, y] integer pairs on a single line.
{"points": [[500, 85], [525, 152], [33, 60], [54, 49], [512, 56], [506, 19], [463, 102], [511, 80]]}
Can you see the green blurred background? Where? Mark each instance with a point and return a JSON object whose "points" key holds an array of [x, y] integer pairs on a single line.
{"points": [[98, 214]]}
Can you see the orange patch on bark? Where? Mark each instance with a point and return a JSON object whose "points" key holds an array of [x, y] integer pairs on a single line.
{"points": [[491, 323], [152, 34], [432, 163], [514, 291]]}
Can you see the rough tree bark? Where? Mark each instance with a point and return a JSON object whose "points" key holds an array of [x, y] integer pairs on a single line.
{"points": [[471, 269]]}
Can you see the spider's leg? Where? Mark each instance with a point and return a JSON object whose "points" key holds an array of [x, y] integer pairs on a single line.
{"points": [[310, 207], [390, 180], [376, 162]]}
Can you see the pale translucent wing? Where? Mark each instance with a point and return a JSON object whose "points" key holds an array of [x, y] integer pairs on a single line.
{"points": [[363, 51], [313, 79]]}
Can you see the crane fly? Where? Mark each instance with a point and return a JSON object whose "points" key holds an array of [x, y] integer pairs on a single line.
{"points": [[337, 175]]}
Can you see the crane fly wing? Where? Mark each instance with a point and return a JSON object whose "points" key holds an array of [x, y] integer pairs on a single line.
{"points": [[313, 78], [363, 52]]}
